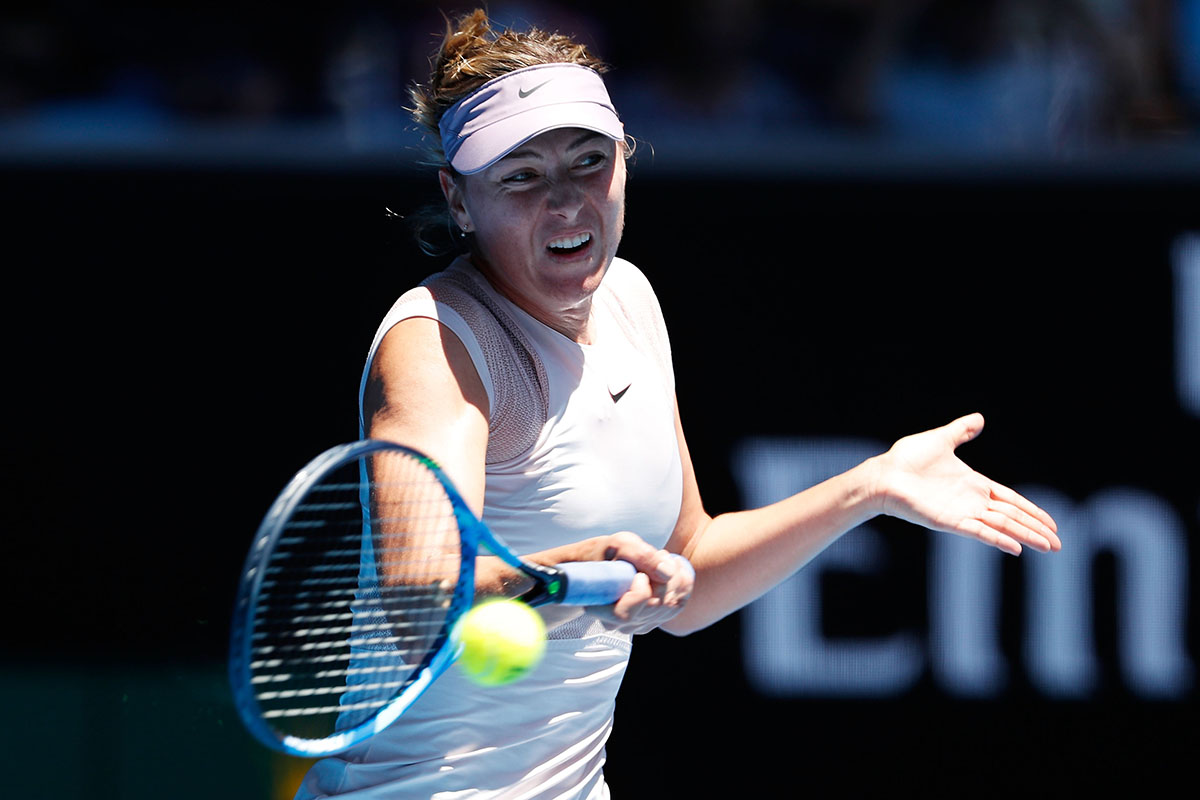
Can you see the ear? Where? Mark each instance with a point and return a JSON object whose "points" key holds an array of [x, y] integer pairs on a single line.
{"points": [[455, 200]]}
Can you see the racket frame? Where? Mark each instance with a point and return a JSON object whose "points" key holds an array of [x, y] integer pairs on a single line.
{"points": [[437, 659], [551, 585]]}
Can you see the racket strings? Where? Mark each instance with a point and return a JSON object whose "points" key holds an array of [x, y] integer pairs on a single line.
{"points": [[355, 596]]}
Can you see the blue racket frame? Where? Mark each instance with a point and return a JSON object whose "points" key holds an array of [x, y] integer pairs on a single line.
{"points": [[472, 533], [581, 583]]}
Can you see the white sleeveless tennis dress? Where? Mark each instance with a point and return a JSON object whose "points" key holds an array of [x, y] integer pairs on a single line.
{"points": [[581, 443]]}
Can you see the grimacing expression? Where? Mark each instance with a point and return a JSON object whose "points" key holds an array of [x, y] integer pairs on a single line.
{"points": [[547, 218]]}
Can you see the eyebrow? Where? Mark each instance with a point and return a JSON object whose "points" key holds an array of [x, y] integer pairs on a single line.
{"points": [[587, 137]]}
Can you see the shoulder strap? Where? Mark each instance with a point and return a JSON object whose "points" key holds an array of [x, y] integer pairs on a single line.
{"points": [[635, 307]]}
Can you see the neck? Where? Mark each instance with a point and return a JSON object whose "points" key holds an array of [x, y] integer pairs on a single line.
{"points": [[575, 324], [572, 321]]}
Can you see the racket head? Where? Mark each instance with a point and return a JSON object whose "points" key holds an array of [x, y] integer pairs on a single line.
{"points": [[348, 597]]}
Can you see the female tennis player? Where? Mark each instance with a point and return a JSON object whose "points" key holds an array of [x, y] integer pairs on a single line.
{"points": [[536, 369]]}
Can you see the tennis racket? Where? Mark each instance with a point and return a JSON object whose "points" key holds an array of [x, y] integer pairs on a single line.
{"points": [[350, 592]]}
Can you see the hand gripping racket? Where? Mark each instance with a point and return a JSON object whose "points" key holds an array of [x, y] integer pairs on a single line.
{"points": [[351, 590]]}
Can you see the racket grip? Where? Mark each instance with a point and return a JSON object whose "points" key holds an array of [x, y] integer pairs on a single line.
{"points": [[596, 583]]}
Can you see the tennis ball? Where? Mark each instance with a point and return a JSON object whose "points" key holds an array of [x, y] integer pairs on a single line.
{"points": [[501, 641]]}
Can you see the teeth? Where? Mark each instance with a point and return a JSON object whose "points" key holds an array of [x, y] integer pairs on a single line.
{"points": [[570, 242]]}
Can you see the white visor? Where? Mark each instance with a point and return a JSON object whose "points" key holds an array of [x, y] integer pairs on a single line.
{"points": [[508, 111]]}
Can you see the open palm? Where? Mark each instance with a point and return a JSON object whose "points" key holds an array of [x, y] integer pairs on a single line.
{"points": [[924, 482]]}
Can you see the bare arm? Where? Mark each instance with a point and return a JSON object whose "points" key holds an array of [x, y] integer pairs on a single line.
{"points": [[424, 391], [740, 556]]}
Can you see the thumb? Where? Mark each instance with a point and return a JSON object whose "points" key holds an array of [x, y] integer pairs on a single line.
{"points": [[964, 429]]}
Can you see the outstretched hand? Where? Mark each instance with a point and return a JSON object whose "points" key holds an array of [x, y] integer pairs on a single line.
{"points": [[921, 480]]}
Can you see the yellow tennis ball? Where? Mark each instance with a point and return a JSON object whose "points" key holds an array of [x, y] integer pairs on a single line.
{"points": [[501, 641]]}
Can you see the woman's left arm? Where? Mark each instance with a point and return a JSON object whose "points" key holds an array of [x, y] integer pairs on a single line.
{"points": [[740, 556]]}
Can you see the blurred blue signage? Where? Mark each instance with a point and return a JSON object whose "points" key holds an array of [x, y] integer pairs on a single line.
{"points": [[786, 652]]}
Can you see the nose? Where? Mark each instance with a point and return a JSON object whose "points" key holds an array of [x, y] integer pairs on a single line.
{"points": [[565, 198]]}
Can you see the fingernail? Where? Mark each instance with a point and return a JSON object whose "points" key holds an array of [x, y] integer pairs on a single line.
{"points": [[665, 569]]}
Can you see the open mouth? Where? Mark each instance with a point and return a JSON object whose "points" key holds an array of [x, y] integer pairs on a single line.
{"points": [[569, 245]]}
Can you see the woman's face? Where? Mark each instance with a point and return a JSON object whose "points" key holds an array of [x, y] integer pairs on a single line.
{"points": [[547, 219]]}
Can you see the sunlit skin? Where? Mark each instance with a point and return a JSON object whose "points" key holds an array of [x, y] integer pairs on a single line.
{"points": [[562, 184], [568, 187], [423, 389]]}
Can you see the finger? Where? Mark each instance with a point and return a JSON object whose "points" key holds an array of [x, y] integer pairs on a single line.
{"points": [[671, 566], [1028, 521], [1010, 527], [665, 578], [665, 567], [679, 589], [635, 598], [1007, 495], [1002, 492], [630, 547], [990, 536]]}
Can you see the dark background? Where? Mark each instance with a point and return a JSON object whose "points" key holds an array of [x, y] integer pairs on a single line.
{"points": [[194, 278]]}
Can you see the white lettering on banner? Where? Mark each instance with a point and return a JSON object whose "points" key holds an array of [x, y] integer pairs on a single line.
{"points": [[785, 653], [964, 619], [1148, 541], [783, 629], [1186, 257], [783, 641]]}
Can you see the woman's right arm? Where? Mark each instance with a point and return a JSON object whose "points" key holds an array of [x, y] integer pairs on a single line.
{"points": [[424, 391]]}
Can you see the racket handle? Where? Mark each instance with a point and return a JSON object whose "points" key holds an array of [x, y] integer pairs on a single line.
{"points": [[596, 583]]}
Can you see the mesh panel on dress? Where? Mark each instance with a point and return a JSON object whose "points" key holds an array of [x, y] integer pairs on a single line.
{"points": [[586, 626], [520, 389]]}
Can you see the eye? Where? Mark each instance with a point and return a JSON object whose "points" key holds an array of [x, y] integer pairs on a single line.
{"points": [[591, 160], [518, 177]]}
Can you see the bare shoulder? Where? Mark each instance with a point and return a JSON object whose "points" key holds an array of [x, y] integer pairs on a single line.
{"points": [[423, 391], [420, 360]]}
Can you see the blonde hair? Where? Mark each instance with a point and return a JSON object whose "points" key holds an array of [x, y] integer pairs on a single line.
{"points": [[473, 53]]}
